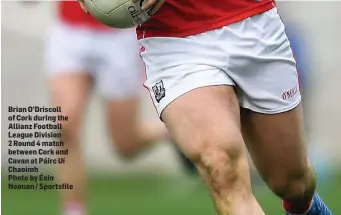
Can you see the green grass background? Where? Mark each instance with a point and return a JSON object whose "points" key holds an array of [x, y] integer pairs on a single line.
{"points": [[148, 195]]}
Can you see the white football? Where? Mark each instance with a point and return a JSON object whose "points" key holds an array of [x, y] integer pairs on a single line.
{"points": [[118, 13]]}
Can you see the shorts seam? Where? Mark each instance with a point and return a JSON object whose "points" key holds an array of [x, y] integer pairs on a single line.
{"points": [[178, 93], [276, 111]]}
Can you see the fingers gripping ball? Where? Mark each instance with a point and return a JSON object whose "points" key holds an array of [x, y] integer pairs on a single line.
{"points": [[119, 13]]}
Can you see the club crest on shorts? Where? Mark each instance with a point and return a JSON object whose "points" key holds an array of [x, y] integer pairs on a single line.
{"points": [[159, 91]]}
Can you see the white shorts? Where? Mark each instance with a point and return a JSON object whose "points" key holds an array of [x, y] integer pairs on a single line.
{"points": [[111, 57], [254, 55]]}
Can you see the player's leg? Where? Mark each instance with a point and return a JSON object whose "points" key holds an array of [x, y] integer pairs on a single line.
{"points": [[205, 124], [121, 82], [69, 86], [199, 107], [269, 88]]}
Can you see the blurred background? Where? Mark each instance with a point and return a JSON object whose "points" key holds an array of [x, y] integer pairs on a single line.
{"points": [[155, 183]]}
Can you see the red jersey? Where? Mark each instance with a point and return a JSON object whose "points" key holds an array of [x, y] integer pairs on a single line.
{"points": [[71, 13], [180, 18]]}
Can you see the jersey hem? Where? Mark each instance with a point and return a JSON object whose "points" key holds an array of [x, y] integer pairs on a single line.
{"points": [[143, 33]]}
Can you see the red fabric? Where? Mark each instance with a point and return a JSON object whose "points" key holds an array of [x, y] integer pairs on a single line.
{"points": [[71, 13], [187, 17]]}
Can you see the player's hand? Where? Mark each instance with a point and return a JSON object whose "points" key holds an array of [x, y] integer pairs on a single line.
{"points": [[149, 3], [82, 4]]}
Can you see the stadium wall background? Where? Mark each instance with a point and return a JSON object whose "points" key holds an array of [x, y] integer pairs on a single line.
{"points": [[24, 28]]}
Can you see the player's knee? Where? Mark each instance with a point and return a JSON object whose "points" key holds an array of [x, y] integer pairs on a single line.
{"points": [[296, 184], [220, 161]]}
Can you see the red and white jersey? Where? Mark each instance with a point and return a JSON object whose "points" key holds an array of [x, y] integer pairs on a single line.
{"points": [[188, 17], [71, 13]]}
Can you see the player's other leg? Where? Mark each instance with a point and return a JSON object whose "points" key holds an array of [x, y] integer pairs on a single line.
{"points": [[280, 157], [120, 80], [269, 89], [69, 87]]}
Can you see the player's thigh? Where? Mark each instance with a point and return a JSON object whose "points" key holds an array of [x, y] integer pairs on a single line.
{"points": [[205, 118], [69, 80], [192, 93], [276, 143], [268, 89]]}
